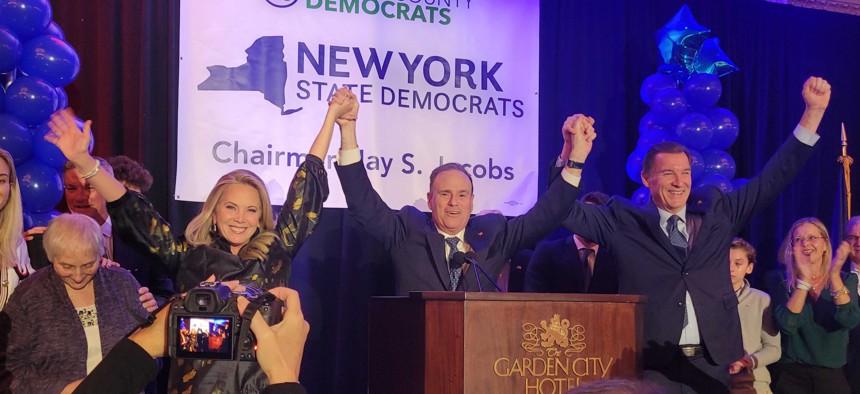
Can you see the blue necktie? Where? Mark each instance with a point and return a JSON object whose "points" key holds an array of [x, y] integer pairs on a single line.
{"points": [[675, 237], [454, 272], [680, 243]]}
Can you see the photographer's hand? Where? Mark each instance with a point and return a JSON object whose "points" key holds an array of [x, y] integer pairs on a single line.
{"points": [[280, 347], [153, 339]]}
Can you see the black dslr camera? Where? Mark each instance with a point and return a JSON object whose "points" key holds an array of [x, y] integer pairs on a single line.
{"points": [[205, 323]]}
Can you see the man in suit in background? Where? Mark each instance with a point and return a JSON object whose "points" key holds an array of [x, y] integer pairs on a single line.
{"points": [[573, 264], [674, 250], [422, 251]]}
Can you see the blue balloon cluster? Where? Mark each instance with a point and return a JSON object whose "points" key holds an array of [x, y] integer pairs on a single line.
{"points": [[686, 49], [682, 96], [35, 64]]}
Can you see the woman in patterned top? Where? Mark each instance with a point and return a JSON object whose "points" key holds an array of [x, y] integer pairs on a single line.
{"points": [[234, 237], [66, 318]]}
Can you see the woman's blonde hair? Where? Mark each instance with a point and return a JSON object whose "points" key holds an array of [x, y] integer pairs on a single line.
{"points": [[11, 217], [788, 251], [198, 231], [73, 235]]}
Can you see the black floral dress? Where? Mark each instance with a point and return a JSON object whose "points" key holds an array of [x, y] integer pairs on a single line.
{"points": [[135, 218]]}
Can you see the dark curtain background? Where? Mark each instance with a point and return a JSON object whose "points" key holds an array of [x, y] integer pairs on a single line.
{"points": [[594, 56]]}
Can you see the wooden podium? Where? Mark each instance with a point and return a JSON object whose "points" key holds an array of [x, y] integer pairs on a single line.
{"points": [[456, 342]]}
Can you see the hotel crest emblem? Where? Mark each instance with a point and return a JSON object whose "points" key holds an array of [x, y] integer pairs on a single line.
{"points": [[554, 338]]}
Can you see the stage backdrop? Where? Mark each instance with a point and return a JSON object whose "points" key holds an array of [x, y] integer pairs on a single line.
{"points": [[437, 83]]}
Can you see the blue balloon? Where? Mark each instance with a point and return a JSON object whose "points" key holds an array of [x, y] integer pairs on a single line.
{"points": [[641, 196], [15, 138], [702, 91], [738, 183], [31, 99], [716, 180], [26, 18], [28, 221], [652, 137], [45, 151], [41, 186], [43, 218], [674, 71], [697, 164], [679, 39], [51, 59], [653, 83], [10, 50], [54, 29], [712, 59], [2, 99], [62, 99], [719, 163], [694, 130], [725, 126], [634, 166], [668, 105]]}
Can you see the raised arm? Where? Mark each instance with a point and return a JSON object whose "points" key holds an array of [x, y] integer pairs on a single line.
{"points": [[74, 143], [816, 95], [309, 187]]}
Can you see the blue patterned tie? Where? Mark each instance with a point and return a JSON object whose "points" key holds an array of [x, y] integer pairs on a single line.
{"points": [[675, 237], [584, 254], [454, 272], [680, 243]]}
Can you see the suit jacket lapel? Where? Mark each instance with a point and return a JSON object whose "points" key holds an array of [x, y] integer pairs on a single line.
{"points": [[652, 220], [694, 224], [478, 242], [436, 243]]}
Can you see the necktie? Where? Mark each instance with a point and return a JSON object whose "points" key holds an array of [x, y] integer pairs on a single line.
{"points": [[453, 271], [675, 237], [584, 255], [680, 243]]}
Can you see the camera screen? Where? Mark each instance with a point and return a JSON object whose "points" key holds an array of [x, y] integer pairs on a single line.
{"points": [[209, 337]]}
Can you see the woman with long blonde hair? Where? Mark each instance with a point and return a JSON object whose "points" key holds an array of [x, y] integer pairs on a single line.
{"points": [[14, 261], [234, 237], [814, 310]]}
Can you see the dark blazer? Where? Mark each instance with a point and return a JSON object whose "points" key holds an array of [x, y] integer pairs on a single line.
{"points": [[555, 267], [418, 250], [649, 265], [146, 268]]}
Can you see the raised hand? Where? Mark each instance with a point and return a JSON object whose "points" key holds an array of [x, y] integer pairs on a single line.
{"points": [[840, 255], [344, 105], [65, 134], [816, 93], [579, 129]]}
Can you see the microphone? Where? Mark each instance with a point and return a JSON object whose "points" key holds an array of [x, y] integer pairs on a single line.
{"points": [[459, 261], [470, 258]]}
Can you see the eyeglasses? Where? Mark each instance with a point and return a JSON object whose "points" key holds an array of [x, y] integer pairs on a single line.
{"points": [[852, 238], [808, 239]]}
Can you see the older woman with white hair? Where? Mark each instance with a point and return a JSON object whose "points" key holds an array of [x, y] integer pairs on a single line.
{"points": [[64, 319]]}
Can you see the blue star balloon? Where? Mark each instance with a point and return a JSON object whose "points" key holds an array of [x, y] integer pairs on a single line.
{"points": [[681, 38], [712, 59]]}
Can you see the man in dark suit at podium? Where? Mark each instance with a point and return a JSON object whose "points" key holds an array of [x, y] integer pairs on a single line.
{"points": [[422, 250], [674, 250], [573, 264]]}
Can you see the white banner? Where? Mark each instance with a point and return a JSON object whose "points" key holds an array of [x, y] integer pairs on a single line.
{"points": [[438, 80]]}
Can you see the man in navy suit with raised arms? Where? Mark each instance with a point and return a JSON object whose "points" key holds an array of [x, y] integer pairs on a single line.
{"points": [[674, 250], [422, 250]]}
